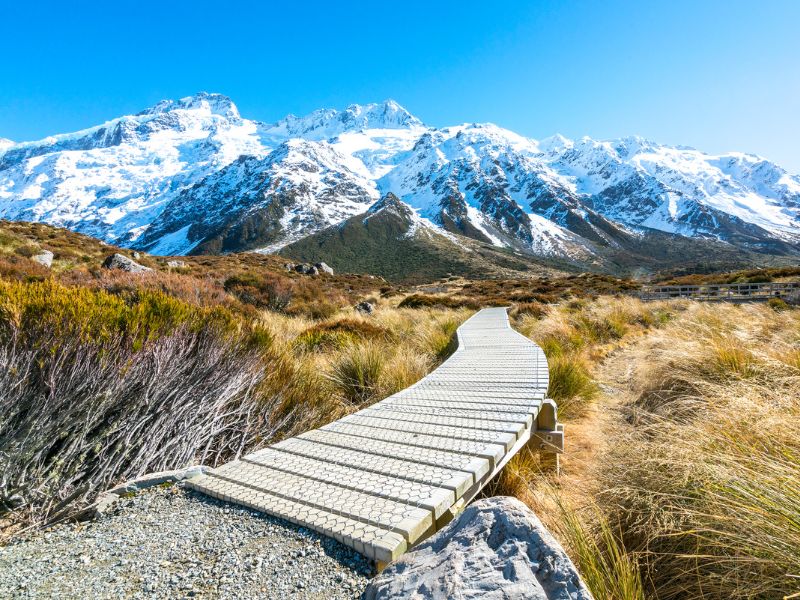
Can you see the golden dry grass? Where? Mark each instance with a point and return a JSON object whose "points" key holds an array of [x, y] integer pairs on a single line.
{"points": [[341, 364], [686, 468]]}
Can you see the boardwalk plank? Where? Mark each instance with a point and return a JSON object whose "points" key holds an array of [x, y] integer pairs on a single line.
{"points": [[380, 479]]}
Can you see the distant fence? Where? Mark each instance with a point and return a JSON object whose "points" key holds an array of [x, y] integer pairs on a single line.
{"points": [[725, 292]]}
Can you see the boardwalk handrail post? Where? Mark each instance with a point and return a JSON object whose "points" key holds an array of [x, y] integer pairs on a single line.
{"points": [[548, 438]]}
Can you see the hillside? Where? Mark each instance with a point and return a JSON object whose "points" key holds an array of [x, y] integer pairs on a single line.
{"points": [[197, 362], [392, 241]]}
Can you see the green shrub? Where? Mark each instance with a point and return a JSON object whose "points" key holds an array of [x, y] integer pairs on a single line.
{"points": [[777, 304], [426, 301]]}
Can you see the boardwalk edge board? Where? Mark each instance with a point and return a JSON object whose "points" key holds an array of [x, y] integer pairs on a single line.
{"points": [[384, 478]]}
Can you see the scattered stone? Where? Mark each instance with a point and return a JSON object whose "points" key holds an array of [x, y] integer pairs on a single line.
{"points": [[496, 549], [123, 263], [44, 258], [365, 307], [323, 268], [306, 269], [174, 543], [176, 264]]}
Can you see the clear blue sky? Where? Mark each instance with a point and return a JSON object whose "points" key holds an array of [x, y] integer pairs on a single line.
{"points": [[717, 75]]}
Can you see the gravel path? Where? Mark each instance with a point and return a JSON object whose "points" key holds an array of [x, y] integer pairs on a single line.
{"points": [[173, 543]]}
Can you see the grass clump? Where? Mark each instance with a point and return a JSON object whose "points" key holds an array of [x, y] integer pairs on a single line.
{"points": [[356, 373], [571, 385], [338, 334], [731, 358], [778, 304], [607, 568], [537, 310]]}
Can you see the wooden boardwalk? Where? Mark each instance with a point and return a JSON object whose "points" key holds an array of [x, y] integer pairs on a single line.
{"points": [[723, 292], [386, 477]]}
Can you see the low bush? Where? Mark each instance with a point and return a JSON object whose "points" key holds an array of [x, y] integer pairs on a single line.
{"points": [[777, 304], [22, 269], [532, 309], [426, 301], [95, 388], [261, 291]]}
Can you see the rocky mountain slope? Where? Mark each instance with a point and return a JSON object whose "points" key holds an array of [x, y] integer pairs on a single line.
{"points": [[193, 176], [390, 239]]}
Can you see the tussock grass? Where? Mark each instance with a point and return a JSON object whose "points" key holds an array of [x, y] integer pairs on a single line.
{"points": [[706, 482], [696, 492], [571, 385], [357, 373], [609, 571]]}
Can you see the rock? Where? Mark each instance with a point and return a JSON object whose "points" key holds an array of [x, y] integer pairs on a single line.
{"points": [[306, 269], [289, 266], [123, 263], [495, 550], [176, 264], [323, 268], [45, 258], [137, 256], [13, 501], [365, 307]]}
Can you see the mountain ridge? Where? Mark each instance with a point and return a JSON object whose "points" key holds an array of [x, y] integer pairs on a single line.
{"points": [[193, 175]]}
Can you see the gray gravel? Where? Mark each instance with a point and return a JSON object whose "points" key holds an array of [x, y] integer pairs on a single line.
{"points": [[174, 543]]}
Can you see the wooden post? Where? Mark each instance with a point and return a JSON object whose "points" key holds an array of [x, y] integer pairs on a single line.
{"points": [[549, 437]]}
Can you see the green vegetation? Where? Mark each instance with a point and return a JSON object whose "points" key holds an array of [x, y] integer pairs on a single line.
{"points": [[106, 374], [425, 301], [683, 420], [382, 245]]}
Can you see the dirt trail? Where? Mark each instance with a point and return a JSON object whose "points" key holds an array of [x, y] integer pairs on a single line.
{"points": [[587, 437]]}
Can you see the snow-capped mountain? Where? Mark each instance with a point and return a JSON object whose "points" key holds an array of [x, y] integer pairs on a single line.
{"points": [[193, 175], [298, 188]]}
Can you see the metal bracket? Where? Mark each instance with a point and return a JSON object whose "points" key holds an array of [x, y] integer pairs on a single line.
{"points": [[549, 441]]}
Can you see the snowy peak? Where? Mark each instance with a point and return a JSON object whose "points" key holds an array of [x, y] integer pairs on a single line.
{"points": [[213, 104], [327, 123], [392, 204]]}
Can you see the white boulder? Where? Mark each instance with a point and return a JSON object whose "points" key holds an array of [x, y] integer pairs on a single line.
{"points": [[497, 549], [324, 268], [44, 257], [123, 263]]}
